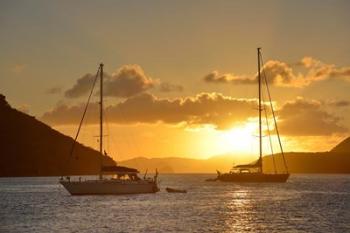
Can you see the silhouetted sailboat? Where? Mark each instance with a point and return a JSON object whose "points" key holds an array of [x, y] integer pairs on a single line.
{"points": [[253, 172], [126, 180]]}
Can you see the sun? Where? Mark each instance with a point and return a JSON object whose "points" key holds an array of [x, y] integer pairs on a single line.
{"points": [[240, 139]]}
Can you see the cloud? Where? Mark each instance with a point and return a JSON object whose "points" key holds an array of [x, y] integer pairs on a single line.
{"points": [[339, 103], [18, 68], [54, 90], [282, 74], [216, 77], [63, 114], [318, 71], [169, 87], [299, 117], [309, 62], [206, 108], [81, 87], [303, 117], [129, 80], [278, 73]]}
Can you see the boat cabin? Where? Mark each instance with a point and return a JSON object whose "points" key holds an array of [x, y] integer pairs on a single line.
{"points": [[120, 172], [255, 167]]}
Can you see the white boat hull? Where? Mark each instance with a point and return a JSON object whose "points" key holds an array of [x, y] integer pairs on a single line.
{"points": [[109, 187]]}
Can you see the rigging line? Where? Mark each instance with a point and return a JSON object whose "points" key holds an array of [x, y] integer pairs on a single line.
{"points": [[82, 119], [268, 131], [108, 131], [274, 117], [109, 136]]}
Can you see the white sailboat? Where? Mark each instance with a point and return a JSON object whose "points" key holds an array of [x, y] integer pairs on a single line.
{"points": [[125, 180], [253, 172]]}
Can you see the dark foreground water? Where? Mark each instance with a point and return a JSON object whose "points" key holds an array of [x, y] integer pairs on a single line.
{"points": [[306, 203]]}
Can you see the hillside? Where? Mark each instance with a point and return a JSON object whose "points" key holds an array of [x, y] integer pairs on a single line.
{"points": [[343, 147], [318, 162], [28, 147]]}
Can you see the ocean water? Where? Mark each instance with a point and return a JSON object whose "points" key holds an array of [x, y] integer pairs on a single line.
{"points": [[306, 203]]}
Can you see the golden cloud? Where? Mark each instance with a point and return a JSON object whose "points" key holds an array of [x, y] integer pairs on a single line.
{"points": [[282, 74], [300, 117], [303, 117], [129, 80], [205, 108]]}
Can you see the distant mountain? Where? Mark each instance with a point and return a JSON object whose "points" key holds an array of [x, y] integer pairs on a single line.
{"points": [[335, 161], [179, 165], [28, 147]]}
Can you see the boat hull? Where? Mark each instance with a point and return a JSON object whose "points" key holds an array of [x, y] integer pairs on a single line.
{"points": [[253, 177], [109, 187]]}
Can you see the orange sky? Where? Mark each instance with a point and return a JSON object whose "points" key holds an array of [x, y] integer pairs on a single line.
{"points": [[180, 75]]}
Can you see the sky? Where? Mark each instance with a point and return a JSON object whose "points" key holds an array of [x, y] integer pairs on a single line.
{"points": [[180, 76]]}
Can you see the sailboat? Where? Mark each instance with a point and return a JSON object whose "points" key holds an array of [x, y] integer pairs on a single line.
{"points": [[124, 180], [253, 172]]}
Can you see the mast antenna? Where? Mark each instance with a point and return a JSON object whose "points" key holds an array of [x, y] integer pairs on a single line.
{"points": [[101, 119], [260, 109]]}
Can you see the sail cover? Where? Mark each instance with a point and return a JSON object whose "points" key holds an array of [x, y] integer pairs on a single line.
{"points": [[119, 169], [255, 164]]}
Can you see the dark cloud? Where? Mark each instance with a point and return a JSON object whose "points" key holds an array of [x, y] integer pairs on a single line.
{"points": [[342, 72], [303, 117], [169, 87], [63, 114], [205, 108], [129, 80], [81, 87], [282, 74], [339, 103]]}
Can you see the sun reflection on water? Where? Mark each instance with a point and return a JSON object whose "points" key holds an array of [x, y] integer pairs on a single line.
{"points": [[241, 211]]}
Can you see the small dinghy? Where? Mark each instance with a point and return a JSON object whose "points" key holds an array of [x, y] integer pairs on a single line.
{"points": [[172, 190]]}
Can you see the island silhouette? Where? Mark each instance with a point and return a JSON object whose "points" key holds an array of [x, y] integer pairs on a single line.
{"points": [[29, 147]]}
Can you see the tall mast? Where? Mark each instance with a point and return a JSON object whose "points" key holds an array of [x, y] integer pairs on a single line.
{"points": [[260, 135], [101, 119]]}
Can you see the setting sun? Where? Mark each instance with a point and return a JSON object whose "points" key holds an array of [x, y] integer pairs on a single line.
{"points": [[241, 139]]}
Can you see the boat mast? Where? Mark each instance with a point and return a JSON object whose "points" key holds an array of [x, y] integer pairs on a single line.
{"points": [[260, 135], [101, 119]]}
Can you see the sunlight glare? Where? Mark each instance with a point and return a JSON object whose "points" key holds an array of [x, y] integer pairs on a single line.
{"points": [[239, 139]]}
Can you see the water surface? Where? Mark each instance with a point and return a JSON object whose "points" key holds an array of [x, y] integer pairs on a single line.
{"points": [[306, 203]]}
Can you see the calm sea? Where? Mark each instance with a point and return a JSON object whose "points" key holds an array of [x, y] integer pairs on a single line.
{"points": [[306, 203]]}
